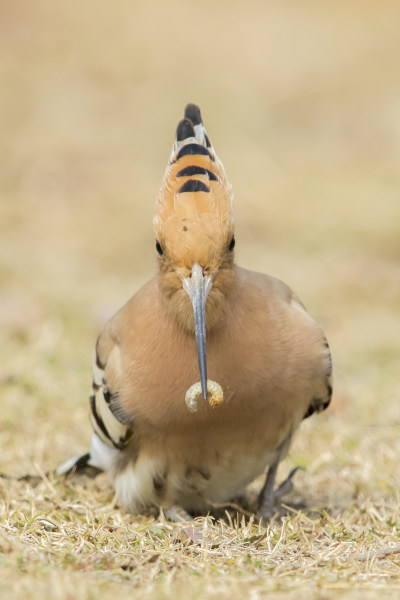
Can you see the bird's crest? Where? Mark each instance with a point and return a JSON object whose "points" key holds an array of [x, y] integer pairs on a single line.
{"points": [[195, 192]]}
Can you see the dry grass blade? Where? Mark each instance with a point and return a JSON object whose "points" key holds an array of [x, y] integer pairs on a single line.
{"points": [[379, 554]]}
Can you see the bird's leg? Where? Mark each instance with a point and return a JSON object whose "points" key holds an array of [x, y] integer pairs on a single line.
{"points": [[269, 496]]}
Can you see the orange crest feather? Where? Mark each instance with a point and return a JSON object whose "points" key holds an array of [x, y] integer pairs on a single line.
{"points": [[195, 203]]}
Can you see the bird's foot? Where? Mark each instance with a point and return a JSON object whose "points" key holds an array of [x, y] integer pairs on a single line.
{"points": [[269, 498]]}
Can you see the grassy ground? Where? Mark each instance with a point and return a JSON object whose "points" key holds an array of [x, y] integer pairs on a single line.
{"points": [[301, 103]]}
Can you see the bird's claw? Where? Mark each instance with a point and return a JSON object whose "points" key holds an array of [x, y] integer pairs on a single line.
{"points": [[286, 486], [269, 499]]}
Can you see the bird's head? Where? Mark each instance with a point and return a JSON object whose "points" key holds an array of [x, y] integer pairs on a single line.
{"points": [[194, 230]]}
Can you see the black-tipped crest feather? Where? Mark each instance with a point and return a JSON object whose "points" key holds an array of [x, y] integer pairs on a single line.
{"points": [[192, 112], [193, 185], [193, 149], [196, 170], [184, 130]]}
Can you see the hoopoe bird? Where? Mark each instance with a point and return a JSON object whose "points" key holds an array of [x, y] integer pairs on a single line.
{"points": [[164, 439]]}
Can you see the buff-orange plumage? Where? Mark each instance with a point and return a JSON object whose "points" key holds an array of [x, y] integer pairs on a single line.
{"points": [[202, 318]]}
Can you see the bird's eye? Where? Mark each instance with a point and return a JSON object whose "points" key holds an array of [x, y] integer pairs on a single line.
{"points": [[158, 248], [232, 244]]}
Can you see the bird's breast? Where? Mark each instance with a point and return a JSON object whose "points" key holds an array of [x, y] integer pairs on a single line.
{"points": [[160, 365], [266, 372]]}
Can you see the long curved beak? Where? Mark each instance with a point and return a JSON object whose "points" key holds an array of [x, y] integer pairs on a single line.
{"points": [[197, 287]]}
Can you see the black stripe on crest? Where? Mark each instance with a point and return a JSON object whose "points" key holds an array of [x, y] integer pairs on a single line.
{"points": [[193, 149], [193, 185], [195, 170]]}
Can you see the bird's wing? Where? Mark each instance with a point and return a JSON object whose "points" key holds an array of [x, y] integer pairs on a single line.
{"points": [[321, 400], [111, 425], [110, 422]]}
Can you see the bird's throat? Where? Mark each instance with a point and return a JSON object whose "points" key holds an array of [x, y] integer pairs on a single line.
{"points": [[178, 306]]}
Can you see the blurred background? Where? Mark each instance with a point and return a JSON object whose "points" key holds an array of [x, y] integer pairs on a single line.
{"points": [[301, 101]]}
